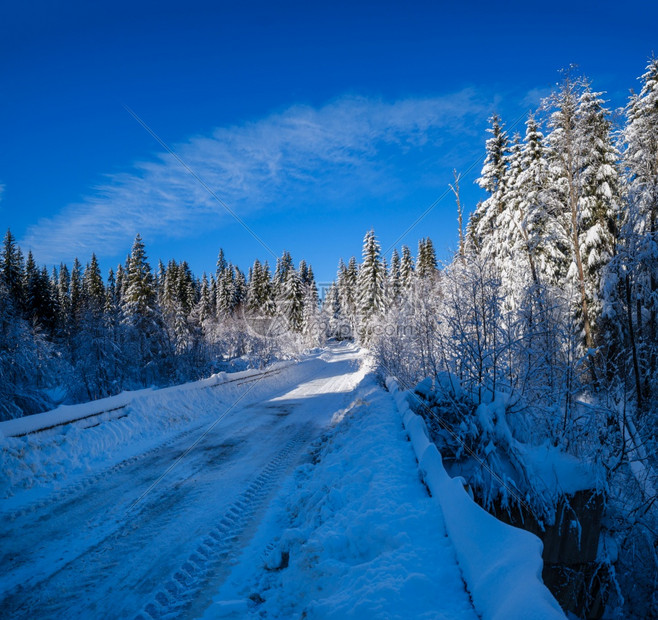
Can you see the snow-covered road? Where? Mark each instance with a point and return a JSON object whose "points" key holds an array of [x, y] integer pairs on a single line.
{"points": [[123, 538], [288, 493]]}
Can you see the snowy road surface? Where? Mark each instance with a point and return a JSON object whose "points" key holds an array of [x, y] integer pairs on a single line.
{"points": [[161, 530]]}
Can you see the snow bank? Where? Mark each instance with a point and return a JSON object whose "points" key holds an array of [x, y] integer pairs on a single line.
{"points": [[352, 534], [501, 564], [65, 414], [559, 472]]}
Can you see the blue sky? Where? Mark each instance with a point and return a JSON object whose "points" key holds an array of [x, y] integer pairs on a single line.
{"points": [[312, 122]]}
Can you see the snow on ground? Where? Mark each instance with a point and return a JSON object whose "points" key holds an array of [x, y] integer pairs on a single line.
{"points": [[153, 507], [501, 564], [353, 534], [193, 503]]}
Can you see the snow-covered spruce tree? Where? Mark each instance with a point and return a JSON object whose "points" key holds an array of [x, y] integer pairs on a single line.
{"points": [[63, 303], [311, 327], [394, 284], [421, 321], [510, 258], [599, 200], [120, 283], [231, 291], [370, 287], [284, 264], [639, 237], [426, 265], [95, 351], [222, 265], [499, 232], [567, 150], [76, 293], [226, 293], [291, 301], [302, 269], [239, 288], [347, 280], [114, 333], [93, 289], [160, 283], [203, 310], [482, 225], [406, 268], [173, 307], [331, 317], [260, 297], [144, 346], [37, 302], [213, 295], [538, 227], [55, 310]]}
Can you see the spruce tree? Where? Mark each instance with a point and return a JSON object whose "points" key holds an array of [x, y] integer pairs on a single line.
{"points": [[93, 288], [348, 293], [370, 285], [310, 319], [76, 292], [483, 222], [203, 309], [599, 200], [406, 268], [139, 291], [225, 293], [332, 313], [142, 318], [283, 266], [567, 145], [394, 279], [536, 221], [426, 264], [638, 267], [12, 270], [222, 265], [33, 302], [291, 301]]}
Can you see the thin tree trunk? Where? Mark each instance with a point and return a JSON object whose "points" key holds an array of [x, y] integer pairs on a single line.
{"points": [[460, 214], [589, 342], [631, 335], [652, 314]]}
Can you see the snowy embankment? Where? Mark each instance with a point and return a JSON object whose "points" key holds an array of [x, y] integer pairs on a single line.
{"points": [[501, 564], [40, 451], [352, 534], [65, 414]]}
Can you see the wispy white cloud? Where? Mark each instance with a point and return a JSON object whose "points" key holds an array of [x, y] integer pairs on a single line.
{"points": [[303, 155], [533, 98], [2, 190]]}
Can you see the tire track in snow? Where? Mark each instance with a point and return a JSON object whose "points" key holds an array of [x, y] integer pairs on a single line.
{"points": [[59, 593], [221, 544]]}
